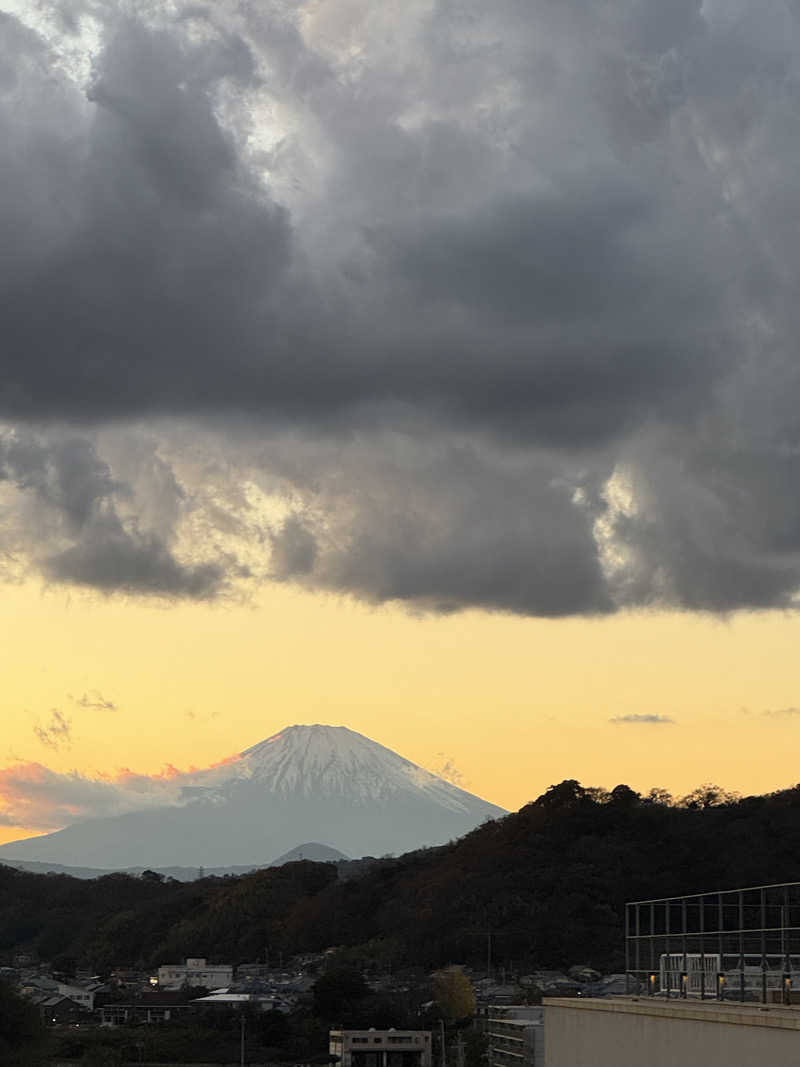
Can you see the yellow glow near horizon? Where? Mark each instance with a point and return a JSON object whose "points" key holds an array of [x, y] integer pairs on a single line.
{"points": [[515, 704]]}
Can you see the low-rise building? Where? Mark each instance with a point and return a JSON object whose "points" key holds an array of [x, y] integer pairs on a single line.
{"points": [[56, 1009], [150, 1008], [195, 971], [381, 1048], [515, 1033], [228, 1000], [82, 995]]}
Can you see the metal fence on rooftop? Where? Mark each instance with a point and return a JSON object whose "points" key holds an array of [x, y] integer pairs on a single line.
{"points": [[735, 944]]}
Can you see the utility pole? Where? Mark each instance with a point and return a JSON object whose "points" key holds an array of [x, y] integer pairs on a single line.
{"points": [[489, 952], [460, 1051], [241, 1043], [444, 1046]]}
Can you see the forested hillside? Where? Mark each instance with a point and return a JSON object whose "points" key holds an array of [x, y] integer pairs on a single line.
{"points": [[549, 881]]}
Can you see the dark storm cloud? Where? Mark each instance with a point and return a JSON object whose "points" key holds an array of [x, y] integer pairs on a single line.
{"points": [[169, 284], [111, 558], [151, 271], [70, 477], [442, 524], [67, 497], [498, 300]]}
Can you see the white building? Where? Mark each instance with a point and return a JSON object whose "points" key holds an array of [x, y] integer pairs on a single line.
{"points": [[195, 971], [82, 995], [381, 1048]]}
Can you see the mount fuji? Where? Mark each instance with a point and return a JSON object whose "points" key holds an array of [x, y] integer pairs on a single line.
{"points": [[307, 783]]}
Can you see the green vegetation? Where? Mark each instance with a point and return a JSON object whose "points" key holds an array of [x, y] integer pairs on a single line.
{"points": [[549, 881], [20, 1028]]}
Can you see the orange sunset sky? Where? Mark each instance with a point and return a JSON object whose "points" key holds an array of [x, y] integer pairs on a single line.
{"points": [[512, 704]]}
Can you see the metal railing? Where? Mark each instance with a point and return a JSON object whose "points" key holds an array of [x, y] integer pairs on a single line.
{"points": [[735, 944]]}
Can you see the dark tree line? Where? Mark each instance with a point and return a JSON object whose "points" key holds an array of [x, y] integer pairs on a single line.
{"points": [[550, 882]]}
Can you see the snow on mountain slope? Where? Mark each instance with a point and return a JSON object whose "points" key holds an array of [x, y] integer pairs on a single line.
{"points": [[306, 783], [335, 761]]}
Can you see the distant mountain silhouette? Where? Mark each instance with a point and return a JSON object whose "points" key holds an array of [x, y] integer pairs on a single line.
{"points": [[312, 851]]}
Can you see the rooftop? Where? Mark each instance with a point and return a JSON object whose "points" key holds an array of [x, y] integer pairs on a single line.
{"points": [[774, 1016]]}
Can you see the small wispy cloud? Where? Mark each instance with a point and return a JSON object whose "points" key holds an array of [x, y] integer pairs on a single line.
{"points": [[780, 713], [198, 716], [447, 769], [57, 733], [93, 701], [642, 720]]}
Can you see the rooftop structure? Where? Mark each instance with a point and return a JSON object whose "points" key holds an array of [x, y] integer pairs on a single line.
{"points": [[228, 999], [515, 1033], [631, 1031], [195, 971], [381, 1048], [738, 944]]}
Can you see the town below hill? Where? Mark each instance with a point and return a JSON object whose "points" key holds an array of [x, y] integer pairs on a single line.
{"points": [[187, 1011]]}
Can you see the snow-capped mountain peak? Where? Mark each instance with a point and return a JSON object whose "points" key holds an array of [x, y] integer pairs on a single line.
{"points": [[306, 783], [336, 761]]}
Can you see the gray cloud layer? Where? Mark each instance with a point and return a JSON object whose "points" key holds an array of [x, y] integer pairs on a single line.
{"points": [[497, 301]]}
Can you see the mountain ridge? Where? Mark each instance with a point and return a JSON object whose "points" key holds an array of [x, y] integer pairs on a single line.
{"points": [[549, 882], [304, 783], [311, 850]]}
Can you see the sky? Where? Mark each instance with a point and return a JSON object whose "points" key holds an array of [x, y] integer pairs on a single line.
{"points": [[429, 369]]}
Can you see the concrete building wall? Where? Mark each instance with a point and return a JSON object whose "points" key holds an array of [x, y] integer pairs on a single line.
{"points": [[631, 1032], [381, 1048], [195, 972], [515, 1033]]}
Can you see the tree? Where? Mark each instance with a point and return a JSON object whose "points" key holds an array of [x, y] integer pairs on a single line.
{"points": [[567, 794], [20, 1026], [338, 991], [454, 994], [708, 795], [153, 877], [476, 1048], [624, 797]]}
